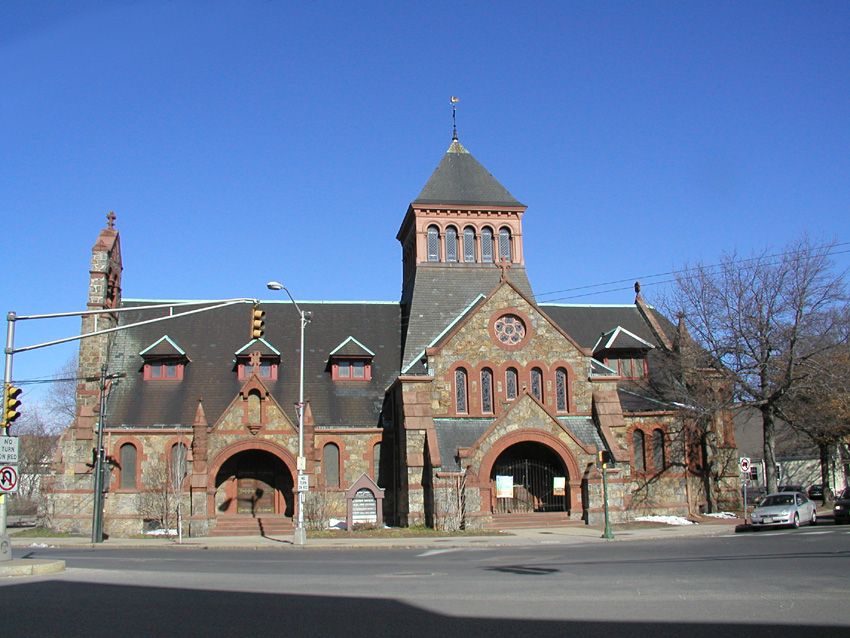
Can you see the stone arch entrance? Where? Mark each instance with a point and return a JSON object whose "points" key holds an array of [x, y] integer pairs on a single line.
{"points": [[254, 483], [535, 477], [533, 460]]}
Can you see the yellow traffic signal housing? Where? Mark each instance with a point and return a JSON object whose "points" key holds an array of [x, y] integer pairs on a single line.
{"points": [[604, 458], [258, 323], [11, 403]]}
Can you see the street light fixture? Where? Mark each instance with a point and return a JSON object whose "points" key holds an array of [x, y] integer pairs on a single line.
{"points": [[301, 463]]}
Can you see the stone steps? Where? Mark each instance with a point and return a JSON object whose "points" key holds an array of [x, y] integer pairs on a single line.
{"points": [[246, 525]]}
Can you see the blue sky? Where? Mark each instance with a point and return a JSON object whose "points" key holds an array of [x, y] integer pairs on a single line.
{"points": [[250, 140]]}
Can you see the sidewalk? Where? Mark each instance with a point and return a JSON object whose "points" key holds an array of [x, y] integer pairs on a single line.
{"points": [[527, 537]]}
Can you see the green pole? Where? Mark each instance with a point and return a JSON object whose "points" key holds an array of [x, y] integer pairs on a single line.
{"points": [[607, 533]]}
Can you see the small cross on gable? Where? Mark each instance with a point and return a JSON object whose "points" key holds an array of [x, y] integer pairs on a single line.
{"points": [[255, 360]]}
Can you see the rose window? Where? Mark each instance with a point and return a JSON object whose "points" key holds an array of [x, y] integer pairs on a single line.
{"points": [[510, 329]]}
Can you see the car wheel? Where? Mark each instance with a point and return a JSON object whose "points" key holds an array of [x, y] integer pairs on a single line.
{"points": [[796, 522]]}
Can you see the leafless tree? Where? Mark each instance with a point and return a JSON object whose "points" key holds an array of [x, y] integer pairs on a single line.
{"points": [[36, 442], [162, 500], [451, 503], [819, 407], [762, 319], [61, 400]]}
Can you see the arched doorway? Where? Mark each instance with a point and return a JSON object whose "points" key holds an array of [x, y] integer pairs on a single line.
{"points": [[254, 483], [529, 477]]}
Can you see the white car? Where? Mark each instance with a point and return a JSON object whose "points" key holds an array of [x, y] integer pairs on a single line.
{"points": [[784, 508]]}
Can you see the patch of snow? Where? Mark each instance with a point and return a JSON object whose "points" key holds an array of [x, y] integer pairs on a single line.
{"points": [[722, 515], [39, 545], [336, 523], [669, 520], [162, 532]]}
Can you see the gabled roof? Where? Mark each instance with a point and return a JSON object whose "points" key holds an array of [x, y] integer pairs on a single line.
{"points": [[442, 294], [585, 323], [620, 338], [260, 344], [211, 338], [460, 180], [351, 348], [164, 347]]}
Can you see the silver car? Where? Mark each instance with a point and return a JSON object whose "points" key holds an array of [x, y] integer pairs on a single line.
{"points": [[784, 508]]}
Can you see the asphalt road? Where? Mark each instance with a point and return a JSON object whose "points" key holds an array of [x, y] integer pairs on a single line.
{"points": [[777, 584]]}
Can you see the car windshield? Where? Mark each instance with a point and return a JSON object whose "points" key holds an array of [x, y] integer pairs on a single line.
{"points": [[777, 499], [845, 493]]}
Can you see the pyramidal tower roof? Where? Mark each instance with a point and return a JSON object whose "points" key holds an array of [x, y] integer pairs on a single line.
{"points": [[460, 180]]}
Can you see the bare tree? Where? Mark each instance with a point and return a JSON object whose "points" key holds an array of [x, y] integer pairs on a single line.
{"points": [[761, 320], [61, 399], [819, 407], [162, 501], [36, 442]]}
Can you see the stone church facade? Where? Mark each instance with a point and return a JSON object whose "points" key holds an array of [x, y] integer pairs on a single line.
{"points": [[465, 404]]}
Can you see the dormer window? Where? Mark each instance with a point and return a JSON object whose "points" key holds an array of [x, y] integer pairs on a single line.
{"points": [[259, 355], [351, 361], [623, 352], [266, 369], [169, 371], [352, 370], [164, 361]]}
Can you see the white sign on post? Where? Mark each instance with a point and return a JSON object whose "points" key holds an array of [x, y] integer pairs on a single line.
{"points": [[9, 449], [9, 479], [745, 465], [303, 483]]}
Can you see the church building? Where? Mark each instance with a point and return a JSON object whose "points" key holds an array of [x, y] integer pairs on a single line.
{"points": [[466, 404]]}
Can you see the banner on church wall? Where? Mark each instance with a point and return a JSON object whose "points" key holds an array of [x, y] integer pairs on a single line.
{"points": [[504, 487]]}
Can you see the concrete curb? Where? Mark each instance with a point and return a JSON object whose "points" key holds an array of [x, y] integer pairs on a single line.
{"points": [[34, 567]]}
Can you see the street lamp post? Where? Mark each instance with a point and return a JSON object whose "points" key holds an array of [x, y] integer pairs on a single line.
{"points": [[301, 463]]}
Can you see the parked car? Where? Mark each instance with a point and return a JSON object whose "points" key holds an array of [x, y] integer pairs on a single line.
{"points": [[841, 509], [784, 508], [791, 488], [816, 492]]}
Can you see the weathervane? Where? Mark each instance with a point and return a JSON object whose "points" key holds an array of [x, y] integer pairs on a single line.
{"points": [[454, 118]]}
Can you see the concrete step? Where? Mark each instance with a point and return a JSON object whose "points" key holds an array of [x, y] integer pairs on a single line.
{"points": [[245, 525], [534, 519]]}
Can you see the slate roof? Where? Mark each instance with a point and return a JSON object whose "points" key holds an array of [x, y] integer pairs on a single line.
{"points": [[460, 180], [587, 323], [442, 292], [211, 340]]}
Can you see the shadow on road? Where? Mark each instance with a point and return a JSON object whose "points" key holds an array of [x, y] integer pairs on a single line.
{"points": [[72, 609]]}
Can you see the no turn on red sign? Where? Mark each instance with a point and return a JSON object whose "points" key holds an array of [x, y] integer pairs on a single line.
{"points": [[9, 479], [745, 464]]}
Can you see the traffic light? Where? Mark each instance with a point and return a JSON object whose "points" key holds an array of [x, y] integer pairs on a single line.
{"points": [[605, 458], [11, 403], [258, 323]]}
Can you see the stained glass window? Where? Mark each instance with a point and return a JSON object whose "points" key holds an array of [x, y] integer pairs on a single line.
{"points": [[561, 389], [487, 245], [451, 243], [511, 383], [433, 243], [469, 244], [537, 383], [505, 244], [460, 389], [510, 329], [486, 390]]}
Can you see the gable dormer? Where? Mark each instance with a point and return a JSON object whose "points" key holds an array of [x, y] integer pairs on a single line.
{"points": [[351, 361], [163, 360], [623, 352], [259, 355]]}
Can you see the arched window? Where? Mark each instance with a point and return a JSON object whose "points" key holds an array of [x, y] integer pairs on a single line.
{"points": [[505, 245], [638, 449], [433, 243], [487, 245], [330, 464], [487, 390], [128, 466], [376, 462], [469, 244], [451, 243], [537, 383], [179, 465], [659, 459], [511, 384], [460, 391], [561, 389]]}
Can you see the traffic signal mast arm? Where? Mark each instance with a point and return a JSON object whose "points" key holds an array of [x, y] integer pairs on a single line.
{"points": [[12, 317]]}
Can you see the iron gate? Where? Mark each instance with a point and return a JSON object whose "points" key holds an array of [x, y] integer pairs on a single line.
{"points": [[533, 487]]}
